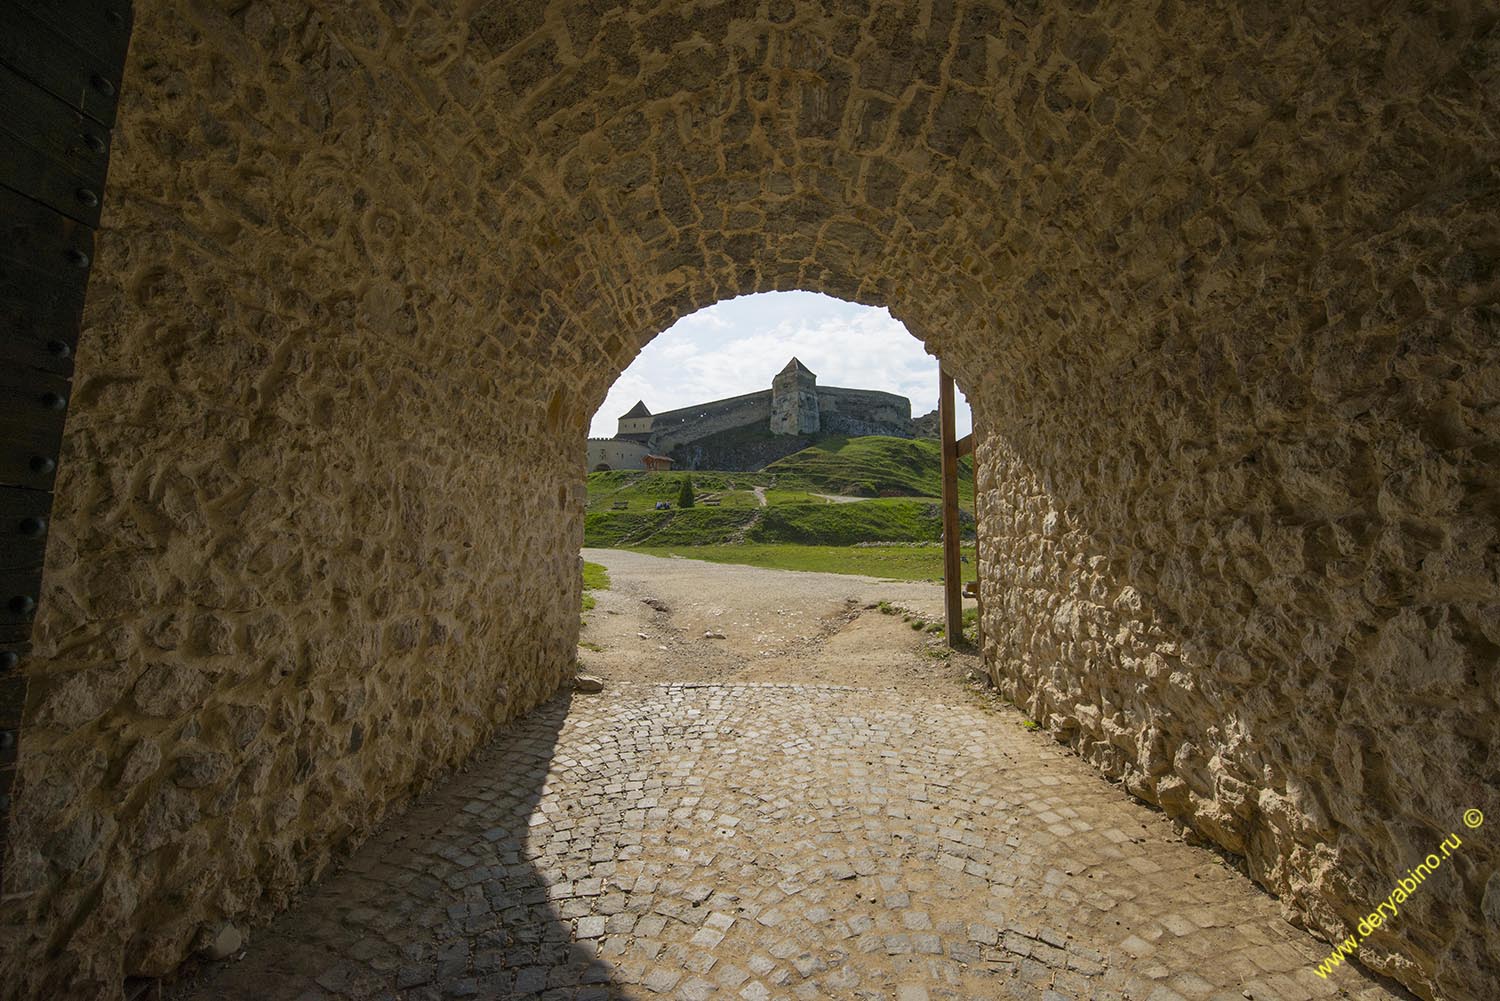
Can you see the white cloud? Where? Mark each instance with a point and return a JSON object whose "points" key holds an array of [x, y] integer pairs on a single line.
{"points": [[736, 346], [703, 319]]}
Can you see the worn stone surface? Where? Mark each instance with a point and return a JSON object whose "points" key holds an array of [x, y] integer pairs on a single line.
{"points": [[779, 841], [1217, 279], [222, 944]]}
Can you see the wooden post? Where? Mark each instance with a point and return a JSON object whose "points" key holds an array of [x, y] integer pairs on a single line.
{"points": [[953, 585], [978, 573]]}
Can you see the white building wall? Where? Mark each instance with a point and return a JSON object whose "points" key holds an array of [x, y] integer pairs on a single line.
{"points": [[635, 425], [616, 454]]}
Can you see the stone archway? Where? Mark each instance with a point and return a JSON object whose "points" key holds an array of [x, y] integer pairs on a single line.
{"points": [[1218, 281]]}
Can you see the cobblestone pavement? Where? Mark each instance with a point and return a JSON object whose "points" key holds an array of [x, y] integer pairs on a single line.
{"points": [[779, 841]]}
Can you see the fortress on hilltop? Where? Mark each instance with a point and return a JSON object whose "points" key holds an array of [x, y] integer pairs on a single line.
{"points": [[746, 432]]}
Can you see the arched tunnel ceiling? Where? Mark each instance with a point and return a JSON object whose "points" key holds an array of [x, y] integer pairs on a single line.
{"points": [[968, 166]]}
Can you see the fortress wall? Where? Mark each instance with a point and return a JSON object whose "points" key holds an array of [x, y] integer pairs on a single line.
{"points": [[737, 454], [680, 427], [863, 411], [854, 427]]}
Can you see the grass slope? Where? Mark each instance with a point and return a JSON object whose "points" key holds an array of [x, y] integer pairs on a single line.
{"points": [[641, 490], [694, 526], [821, 523], [796, 530], [872, 466]]}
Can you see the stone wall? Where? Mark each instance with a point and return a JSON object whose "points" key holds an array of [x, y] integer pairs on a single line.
{"points": [[309, 548], [1217, 279], [863, 411], [677, 428], [737, 451], [840, 411], [1269, 610], [926, 426]]}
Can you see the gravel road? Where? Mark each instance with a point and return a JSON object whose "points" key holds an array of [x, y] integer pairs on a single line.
{"points": [[777, 625]]}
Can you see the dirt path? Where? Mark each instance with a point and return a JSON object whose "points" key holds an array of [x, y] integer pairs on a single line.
{"points": [[662, 620], [760, 495]]}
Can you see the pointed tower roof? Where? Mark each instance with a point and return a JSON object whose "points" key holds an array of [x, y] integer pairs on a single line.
{"points": [[795, 366], [639, 410]]}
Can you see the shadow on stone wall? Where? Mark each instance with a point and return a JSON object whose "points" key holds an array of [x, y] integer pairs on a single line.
{"points": [[482, 889], [1253, 684]]}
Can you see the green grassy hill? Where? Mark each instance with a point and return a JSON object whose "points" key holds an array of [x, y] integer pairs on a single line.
{"points": [[901, 476], [641, 490], [872, 467], [699, 526]]}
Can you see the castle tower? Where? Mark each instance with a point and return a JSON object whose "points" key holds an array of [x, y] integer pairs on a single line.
{"points": [[794, 400], [635, 422]]}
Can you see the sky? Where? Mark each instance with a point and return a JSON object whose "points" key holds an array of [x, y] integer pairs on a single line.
{"points": [[737, 345]]}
